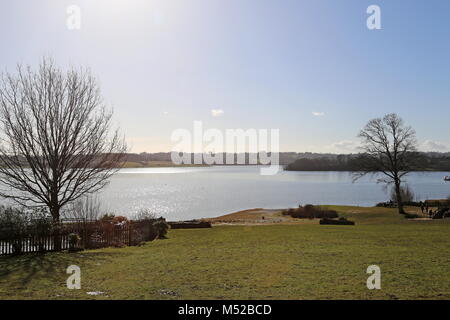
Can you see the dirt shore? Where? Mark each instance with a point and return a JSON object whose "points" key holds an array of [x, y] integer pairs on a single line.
{"points": [[260, 216], [257, 216]]}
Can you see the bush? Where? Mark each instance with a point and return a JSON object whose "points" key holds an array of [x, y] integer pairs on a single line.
{"points": [[13, 222], [107, 217], [340, 221], [119, 220], [41, 224], [311, 212], [330, 214], [389, 204], [406, 193], [74, 238], [13, 226], [18, 223], [392, 204], [144, 214], [147, 227], [161, 227], [88, 208]]}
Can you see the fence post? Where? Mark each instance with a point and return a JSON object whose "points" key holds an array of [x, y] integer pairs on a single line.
{"points": [[130, 227], [85, 225]]}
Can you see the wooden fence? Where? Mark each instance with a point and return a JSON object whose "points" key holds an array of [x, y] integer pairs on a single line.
{"points": [[30, 244], [93, 234]]}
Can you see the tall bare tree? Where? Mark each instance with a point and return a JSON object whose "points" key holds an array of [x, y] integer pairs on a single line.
{"points": [[388, 147], [56, 140]]}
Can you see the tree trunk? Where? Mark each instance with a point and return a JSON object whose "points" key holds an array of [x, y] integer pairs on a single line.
{"points": [[56, 228], [398, 195]]}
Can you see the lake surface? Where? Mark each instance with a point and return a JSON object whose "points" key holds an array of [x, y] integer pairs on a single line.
{"points": [[189, 193]]}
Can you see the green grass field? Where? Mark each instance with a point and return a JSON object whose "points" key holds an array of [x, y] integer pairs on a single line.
{"points": [[278, 261]]}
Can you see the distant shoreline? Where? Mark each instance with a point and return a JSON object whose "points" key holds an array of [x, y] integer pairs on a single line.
{"points": [[158, 164], [170, 164]]}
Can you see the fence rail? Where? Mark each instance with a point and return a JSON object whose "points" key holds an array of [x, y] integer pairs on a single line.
{"points": [[93, 235]]}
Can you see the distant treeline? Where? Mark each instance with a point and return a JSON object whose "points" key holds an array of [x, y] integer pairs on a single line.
{"points": [[303, 161], [427, 162], [285, 157]]}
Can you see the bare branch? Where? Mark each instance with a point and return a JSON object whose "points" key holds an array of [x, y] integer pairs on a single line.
{"points": [[389, 148], [56, 141]]}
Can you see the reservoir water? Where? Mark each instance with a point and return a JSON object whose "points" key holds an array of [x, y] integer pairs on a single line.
{"points": [[190, 193]]}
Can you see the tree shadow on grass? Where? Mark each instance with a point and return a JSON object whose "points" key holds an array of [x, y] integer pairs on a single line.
{"points": [[51, 265]]}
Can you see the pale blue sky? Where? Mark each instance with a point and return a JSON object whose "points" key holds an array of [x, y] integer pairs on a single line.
{"points": [[267, 64]]}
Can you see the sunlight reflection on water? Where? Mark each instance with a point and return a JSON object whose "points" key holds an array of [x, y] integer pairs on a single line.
{"points": [[197, 192]]}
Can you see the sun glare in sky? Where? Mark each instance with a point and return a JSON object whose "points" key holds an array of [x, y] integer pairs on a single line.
{"points": [[311, 69]]}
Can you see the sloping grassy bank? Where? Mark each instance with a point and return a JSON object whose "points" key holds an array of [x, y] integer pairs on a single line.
{"points": [[276, 261]]}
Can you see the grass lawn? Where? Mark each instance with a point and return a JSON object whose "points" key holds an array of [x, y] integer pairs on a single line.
{"points": [[273, 261]]}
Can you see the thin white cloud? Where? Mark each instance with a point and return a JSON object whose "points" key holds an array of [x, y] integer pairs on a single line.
{"points": [[217, 112], [436, 146], [318, 114], [346, 146], [339, 147]]}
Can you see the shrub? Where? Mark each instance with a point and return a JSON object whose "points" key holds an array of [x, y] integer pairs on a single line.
{"points": [[41, 225], [391, 204], [383, 204], [311, 212], [143, 231], [107, 217], [330, 214], [301, 213], [119, 220], [17, 223], [14, 224], [340, 221], [147, 227], [88, 208], [406, 193], [161, 227], [144, 214], [74, 238]]}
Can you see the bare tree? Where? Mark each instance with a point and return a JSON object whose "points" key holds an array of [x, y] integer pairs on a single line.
{"points": [[389, 148], [85, 209], [56, 141]]}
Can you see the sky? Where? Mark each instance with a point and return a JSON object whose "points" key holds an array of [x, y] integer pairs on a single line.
{"points": [[311, 68]]}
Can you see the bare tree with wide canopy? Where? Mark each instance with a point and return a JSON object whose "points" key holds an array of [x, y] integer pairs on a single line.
{"points": [[388, 147], [56, 140]]}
